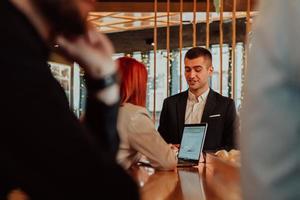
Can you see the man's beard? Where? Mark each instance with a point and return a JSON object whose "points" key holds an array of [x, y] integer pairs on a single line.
{"points": [[63, 16]]}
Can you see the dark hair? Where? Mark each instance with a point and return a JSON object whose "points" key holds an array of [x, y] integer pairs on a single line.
{"points": [[197, 52], [63, 15]]}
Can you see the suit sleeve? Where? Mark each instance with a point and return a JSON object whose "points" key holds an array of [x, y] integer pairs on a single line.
{"points": [[101, 122], [50, 150], [231, 128], [162, 128]]}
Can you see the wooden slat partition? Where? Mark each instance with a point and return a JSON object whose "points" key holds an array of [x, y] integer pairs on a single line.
{"points": [[155, 50], [221, 46], [207, 22], [248, 29], [168, 47], [180, 46], [233, 45], [194, 23]]}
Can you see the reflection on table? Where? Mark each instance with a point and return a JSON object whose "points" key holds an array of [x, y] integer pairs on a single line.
{"points": [[215, 179]]}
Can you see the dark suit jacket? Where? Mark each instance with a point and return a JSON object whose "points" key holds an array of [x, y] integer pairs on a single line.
{"points": [[221, 130], [44, 150]]}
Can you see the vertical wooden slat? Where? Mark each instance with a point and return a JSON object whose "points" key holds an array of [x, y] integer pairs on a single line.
{"points": [[168, 47], [221, 46], [194, 23], [248, 28], [207, 22], [233, 45], [180, 45], [155, 50]]}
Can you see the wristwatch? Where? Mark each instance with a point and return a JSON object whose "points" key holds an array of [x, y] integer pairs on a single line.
{"points": [[104, 82]]}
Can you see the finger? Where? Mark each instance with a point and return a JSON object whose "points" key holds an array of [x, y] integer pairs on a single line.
{"points": [[65, 44], [64, 47], [100, 40], [70, 47], [92, 36], [107, 45]]}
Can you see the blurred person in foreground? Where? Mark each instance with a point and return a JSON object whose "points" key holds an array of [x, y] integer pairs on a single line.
{"points": [[137, 131], [270, 139], [44, 151]]}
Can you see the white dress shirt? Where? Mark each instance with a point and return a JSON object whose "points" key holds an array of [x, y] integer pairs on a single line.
{"points": [[195, 107]]}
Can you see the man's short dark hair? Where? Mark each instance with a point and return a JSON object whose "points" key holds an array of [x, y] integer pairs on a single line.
{"points": [[197, 52]]}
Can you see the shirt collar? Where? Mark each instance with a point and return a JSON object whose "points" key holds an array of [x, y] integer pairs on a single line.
{"points": [[201, 98]]}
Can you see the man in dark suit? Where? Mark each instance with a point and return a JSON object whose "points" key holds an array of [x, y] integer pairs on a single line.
{"points": [[44, 150], [200, 104]]}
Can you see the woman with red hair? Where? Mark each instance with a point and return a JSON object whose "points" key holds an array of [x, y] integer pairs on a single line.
{"points": [[136, 129]]}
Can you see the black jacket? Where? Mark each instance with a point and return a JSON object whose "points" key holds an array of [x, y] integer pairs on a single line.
{"points": [[221, 130], [44, 150]]}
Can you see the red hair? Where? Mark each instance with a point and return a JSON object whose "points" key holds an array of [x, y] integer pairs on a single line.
{"points": [[133, 81]]}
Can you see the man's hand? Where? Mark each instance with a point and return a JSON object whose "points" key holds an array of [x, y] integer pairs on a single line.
{"points": [[93, 51]]}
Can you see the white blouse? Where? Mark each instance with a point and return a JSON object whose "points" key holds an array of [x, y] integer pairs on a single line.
{"points": [[138, 137]]}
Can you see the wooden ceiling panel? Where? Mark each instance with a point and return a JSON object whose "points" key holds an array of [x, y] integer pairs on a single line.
{"points": [[109, 22], [148, 6]]}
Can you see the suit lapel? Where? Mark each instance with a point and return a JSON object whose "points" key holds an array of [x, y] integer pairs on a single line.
{"points": [[181, 107], [209, 105]]}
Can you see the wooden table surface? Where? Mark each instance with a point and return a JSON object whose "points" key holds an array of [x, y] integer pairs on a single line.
{"points": [[215, 179]]}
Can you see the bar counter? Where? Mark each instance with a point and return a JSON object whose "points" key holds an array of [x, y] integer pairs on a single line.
{"points": [[215, 179]]}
